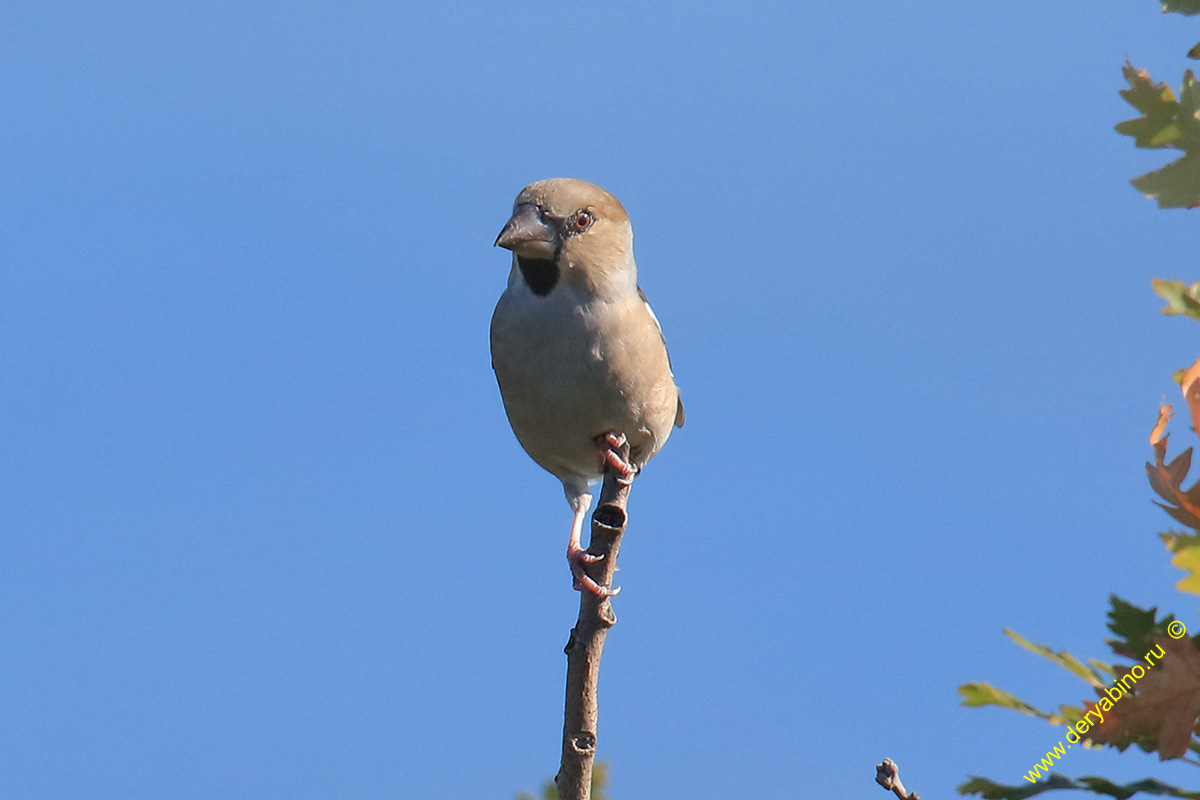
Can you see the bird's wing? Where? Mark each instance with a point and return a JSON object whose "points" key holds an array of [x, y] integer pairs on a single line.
{"points": [[679, 417]]}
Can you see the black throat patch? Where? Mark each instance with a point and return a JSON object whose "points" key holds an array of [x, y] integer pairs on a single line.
{"points": [[540, 274]]}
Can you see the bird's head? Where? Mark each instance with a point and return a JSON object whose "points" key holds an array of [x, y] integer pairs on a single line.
{"points": [[570, 229]]}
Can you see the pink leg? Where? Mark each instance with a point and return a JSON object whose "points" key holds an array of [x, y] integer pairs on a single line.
{"points": [[577, 556]]}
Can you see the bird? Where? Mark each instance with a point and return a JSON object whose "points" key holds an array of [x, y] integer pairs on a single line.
{"points": [[578, 353]]}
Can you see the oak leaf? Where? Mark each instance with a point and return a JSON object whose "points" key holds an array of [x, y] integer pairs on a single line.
{"points": [[1182, 299], [1188, 558], [1167, 479], [1166, 122], [1189, 382], [1166, 705], [1165, 412]]}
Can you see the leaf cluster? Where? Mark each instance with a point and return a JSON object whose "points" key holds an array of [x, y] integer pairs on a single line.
{"points": [[1161, 711], [1167, 121]]}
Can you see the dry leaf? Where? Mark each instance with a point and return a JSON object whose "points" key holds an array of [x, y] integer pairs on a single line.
{"points": [[1167, 479], [1166, 705], [1190, 383], [1164, 415]]}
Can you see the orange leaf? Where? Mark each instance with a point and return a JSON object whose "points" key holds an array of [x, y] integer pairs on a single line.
{"points": [[1190, 383], [1164, 414], [1167, 479]]}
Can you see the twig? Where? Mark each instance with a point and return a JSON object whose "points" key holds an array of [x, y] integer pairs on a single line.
{"points": [[887, 775], [586, 642]]}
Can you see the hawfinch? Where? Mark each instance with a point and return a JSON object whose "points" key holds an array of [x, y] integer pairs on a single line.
{"points": [[579, 355]]}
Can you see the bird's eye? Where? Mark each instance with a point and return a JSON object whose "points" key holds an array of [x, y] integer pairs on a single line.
{"points": [[582, 220]]}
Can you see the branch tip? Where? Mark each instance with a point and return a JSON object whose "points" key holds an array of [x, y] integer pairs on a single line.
{"points": [[887, 775]]}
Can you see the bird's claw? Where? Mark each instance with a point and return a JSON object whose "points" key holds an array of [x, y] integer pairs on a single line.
{"points": [[609, 444], [584, 582]]}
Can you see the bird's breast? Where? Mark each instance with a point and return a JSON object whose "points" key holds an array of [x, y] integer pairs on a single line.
{"points": [[572, 368]]}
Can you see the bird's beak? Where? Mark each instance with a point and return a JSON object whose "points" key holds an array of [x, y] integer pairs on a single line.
{"points": [[527, 235]]}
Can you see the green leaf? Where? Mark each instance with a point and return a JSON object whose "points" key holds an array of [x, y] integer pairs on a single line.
{"points": [[1186, 7], [1156, 127], [1062, 658], [984, 694], [1188, 558], [990, 790], [1181, 298], [1189, 104], [1178, 540], [1186, 550], [1134, 627], [1146, 786], [1177, 185], [1165, 122], [1067, 715]]}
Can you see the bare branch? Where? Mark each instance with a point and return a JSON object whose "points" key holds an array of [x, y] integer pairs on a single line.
{"points": [[887, 775], [586, 642]]}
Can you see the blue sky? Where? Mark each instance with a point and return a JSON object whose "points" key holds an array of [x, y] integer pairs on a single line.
{"points": [[266, 532]]}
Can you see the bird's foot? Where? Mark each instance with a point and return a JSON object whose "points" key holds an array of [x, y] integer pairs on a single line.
{"points": [[577, 557], [610, 445]]}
